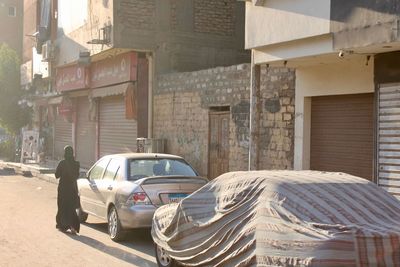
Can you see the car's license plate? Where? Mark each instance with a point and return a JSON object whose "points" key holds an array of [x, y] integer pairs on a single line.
{"points": [[176, 197]]}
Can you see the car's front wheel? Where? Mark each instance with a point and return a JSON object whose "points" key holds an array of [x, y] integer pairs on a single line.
{"points": [[163, 259], [114, 225]]}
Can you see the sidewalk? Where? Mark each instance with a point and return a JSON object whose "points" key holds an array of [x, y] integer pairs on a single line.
{"points": [[44, 171]]}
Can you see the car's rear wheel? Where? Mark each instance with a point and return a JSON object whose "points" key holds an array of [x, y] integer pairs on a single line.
{"points": [[114, 225], [163, 259]]}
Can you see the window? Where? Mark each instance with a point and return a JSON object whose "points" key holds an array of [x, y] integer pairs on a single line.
{"points": [[97, 171], [140, 168], [12, 11], [112, 169]]}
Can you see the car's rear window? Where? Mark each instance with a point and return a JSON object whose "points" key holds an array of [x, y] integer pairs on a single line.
{"points": [[140, 168]]}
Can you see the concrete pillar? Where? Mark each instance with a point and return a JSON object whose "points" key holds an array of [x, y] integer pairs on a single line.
{"points": [[255, 111]]}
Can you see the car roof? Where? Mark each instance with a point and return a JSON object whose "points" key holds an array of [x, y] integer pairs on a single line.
{"points": [[144, 156]]}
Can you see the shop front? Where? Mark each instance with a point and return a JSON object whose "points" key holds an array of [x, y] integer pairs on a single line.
{"points": [[114, 84]]}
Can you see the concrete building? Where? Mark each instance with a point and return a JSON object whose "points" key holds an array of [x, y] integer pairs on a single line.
{"points": [[11, 24], [347, 81], [103, 60]]}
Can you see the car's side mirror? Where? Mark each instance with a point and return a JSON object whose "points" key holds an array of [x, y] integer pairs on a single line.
{"points": [[84, 175]]}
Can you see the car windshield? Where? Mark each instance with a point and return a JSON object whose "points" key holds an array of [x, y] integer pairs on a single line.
{"points": [[140, 168]]}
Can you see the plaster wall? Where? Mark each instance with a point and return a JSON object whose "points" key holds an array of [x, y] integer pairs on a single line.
{"points": [[72, 37], [280, 21], [350, 76], [11, 26]]}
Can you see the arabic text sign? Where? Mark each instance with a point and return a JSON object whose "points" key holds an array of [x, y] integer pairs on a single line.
{"points": [[71, 77], [121, 68]]}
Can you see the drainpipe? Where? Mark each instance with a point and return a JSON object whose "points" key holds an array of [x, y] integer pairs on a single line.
{"points": [[255, 107], [150, 58]]}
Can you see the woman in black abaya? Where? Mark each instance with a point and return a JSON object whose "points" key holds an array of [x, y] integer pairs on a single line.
{"points": [[67, 199]]}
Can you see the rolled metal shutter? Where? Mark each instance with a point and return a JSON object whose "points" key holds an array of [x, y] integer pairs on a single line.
{"points": [[62, 136], [389, 139], [342, 136], [85, 134], [116, 134]]}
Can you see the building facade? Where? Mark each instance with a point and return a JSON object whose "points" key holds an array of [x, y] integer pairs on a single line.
{"points": [[347, 81], [103, 60], [204, 116], [11, 24]]}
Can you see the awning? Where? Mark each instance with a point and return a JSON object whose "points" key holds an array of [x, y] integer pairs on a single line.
{"points": [[41, 101], [119, 89], [55, 100]]}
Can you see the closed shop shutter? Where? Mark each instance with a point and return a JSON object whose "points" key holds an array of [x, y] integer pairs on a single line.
{"points": [[62, 136], [389, 139], [85, 134], [342, 134], [116, 133]]}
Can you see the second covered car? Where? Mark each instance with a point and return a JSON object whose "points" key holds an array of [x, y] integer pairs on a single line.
{"points": [[126, 189]]}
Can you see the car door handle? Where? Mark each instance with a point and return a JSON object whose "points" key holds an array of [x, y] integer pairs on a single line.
{"points": [[93, 186], [110, 188]]}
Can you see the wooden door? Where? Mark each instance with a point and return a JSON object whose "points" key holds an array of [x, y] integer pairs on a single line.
{"points": [[218, 158]]}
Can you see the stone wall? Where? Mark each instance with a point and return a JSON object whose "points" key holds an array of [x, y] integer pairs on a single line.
{"points": [[182, 102], [277, 118]]}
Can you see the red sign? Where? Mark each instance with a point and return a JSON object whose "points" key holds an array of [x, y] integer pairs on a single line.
{"points": [[119, 69], [71, 78]]}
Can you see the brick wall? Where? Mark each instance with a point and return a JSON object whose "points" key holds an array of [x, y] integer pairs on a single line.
{"points": [[215, 16], [137, 14], [183, 101], [174, 10]]}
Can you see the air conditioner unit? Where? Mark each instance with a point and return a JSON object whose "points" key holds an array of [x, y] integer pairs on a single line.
{"points": [[148, 145], [47, 51]]}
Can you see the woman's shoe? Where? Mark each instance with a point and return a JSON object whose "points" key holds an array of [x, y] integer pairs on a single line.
{"points": [[73, 231]]}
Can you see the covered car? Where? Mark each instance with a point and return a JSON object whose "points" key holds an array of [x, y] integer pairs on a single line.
{"points": [[281, 218]]}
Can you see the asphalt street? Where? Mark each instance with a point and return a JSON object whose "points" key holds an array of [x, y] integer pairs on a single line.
{"points": [[28, 236]]}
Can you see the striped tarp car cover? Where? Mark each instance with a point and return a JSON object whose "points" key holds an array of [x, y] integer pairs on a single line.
{"points": [[282, 218]]}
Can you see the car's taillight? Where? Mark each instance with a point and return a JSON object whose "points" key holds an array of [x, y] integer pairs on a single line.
{"points": [[139, 198]]}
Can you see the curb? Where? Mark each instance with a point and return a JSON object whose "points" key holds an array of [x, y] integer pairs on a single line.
{"points": [[28, 171]]}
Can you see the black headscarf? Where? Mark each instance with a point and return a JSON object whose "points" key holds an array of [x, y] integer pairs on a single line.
{"points": [[69, 153]]}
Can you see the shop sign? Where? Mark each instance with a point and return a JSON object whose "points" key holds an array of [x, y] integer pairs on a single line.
{"points": [[71, 78], [118, 69]]}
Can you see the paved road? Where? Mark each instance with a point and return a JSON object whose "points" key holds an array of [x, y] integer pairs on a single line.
{"points": [[28, 236]]}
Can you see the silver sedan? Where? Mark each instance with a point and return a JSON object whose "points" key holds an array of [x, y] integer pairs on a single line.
{"points": [[126, 189]]}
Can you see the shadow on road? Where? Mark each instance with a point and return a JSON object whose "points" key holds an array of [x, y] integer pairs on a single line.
{"points": [[113, 251], [134, 238]]}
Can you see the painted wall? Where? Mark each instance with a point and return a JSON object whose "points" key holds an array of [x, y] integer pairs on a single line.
{"points": [[285, 20], [360, 23], [344, 77], [11, 26], [30, 20]]}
